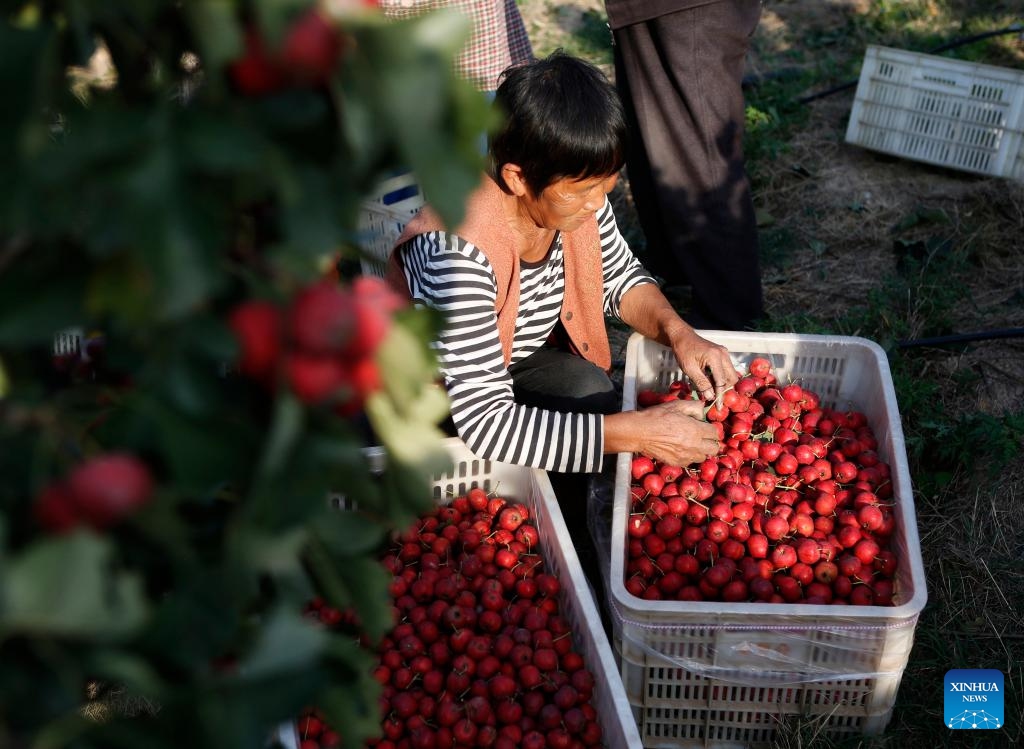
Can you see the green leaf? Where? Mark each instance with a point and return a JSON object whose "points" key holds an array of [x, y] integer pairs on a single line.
{"points": [[353, 702], [406, 412], [764, 218], [276, 553], [130, 670], [22, 66], [32, 312], [434, 119], [408, 369], [212, 144], [274, 15], [310, 217], [285, 430], [190, 387], [67, 587], [202, 617], [366, 582], [197, 455], [288, 642], [349, 532], [215, 24], [360, 582]]}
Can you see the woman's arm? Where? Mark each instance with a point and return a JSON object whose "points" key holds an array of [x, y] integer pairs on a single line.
{"points": [[449, 274], [674, 433], [645, 309], [634, 297]]}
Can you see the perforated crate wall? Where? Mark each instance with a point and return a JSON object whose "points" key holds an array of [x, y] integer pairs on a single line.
{"points": [[722, 675], [383, 217], [962, 115]]}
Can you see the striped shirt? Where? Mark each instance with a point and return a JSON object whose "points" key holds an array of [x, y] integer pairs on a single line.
{"points": [[451, 275]]}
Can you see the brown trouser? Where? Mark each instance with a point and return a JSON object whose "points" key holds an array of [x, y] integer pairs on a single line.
{"points": [[680, 78]]}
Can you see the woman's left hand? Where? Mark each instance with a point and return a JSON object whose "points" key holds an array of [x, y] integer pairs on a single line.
{"points": [[698, 357]]}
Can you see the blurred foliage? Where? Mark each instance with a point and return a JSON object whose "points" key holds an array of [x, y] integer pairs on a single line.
{"points": [[149, 188]]}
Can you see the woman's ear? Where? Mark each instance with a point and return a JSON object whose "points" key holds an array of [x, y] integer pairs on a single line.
{"points": [[512, 174]]}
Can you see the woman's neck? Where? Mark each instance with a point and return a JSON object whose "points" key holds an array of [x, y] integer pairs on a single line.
{"points": [[532, 241]]}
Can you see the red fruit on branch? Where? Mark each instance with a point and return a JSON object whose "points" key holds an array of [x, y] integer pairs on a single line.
{"points": [[257, 327], [322, 318], [311, 48], [315, 379], [256, 73], [107, 488], [375, 303], [55, 510]]}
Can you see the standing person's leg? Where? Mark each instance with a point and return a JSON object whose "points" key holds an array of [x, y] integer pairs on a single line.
{"points": [[681, 77]]}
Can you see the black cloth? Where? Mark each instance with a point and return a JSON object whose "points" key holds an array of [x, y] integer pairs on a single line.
{"points": [[559, 380], [625, 12], [680, 78]]}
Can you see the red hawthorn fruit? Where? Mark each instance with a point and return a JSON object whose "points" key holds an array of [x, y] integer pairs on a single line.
{"points": [[257, 326], [107, 488], [760, 367], [310, 727], [314, 378], [311, 48], [376, 291], [374, 305], [55, 510], [510, 518], [322, 318], [255, 73], [641, 466], [646, 398], [362, 379]]}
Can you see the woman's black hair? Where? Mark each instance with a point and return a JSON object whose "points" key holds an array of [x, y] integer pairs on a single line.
{"points": [[562, 119]]}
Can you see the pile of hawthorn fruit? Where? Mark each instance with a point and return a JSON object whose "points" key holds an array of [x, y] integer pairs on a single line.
{"points": [[797, 506], [481, 655]]}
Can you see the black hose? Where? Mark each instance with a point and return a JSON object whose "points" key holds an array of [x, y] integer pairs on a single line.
{"points": [[941, 48], [984, 335]]}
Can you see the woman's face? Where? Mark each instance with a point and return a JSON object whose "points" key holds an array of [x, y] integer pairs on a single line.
{"points": [[565, 204]]}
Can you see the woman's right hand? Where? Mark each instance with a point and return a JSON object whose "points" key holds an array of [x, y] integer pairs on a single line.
{"points": [[675, 433]]}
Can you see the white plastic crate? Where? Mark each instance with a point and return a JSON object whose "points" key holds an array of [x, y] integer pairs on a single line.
{"points": [[383, 217], [962, 115], [723, 675], [533, 488]]}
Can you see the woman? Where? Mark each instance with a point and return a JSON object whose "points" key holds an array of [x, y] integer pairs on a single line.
{"points": [[526, 280]]}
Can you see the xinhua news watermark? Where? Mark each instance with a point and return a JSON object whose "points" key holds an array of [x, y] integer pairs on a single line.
{"points": [[974, 699]]}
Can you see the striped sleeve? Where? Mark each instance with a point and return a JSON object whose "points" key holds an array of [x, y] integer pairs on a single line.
{"points": [[622, 271], [451, 275]]}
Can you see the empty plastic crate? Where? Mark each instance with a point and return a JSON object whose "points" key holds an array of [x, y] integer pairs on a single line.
{"points": [[962, 115]]}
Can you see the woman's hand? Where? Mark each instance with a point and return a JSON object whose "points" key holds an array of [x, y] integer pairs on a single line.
{"points": [[698, 356], [647, 311], [674, 432]]}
